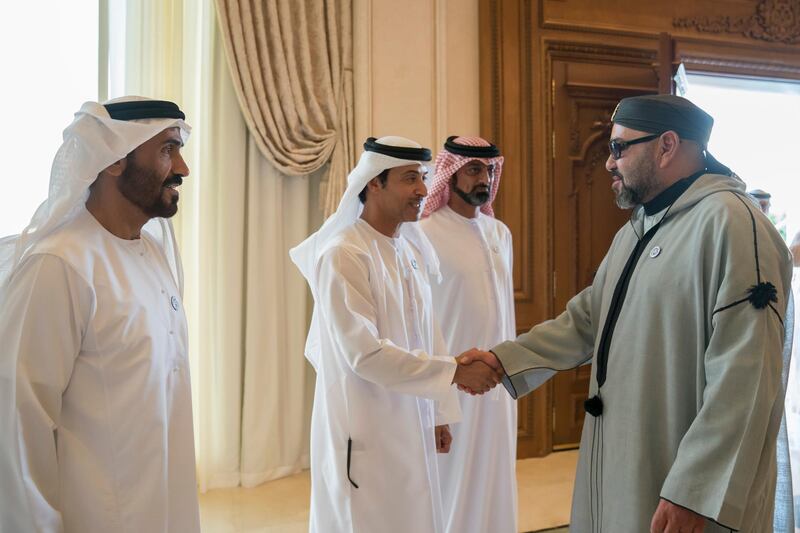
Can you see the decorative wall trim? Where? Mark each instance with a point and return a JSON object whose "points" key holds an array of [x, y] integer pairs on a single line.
{"points": [[579, 49], [774, 21], [605, 29], [736, 65]]}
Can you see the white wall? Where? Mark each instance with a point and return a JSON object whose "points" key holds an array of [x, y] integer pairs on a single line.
{"points": [[416, 69]]}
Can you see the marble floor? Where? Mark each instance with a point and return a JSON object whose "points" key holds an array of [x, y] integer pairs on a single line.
{"points": [[281, 506]]}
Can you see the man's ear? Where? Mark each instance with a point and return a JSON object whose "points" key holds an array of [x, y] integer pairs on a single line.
{"points": [[373, 184], [668, 146], [117, 168]]}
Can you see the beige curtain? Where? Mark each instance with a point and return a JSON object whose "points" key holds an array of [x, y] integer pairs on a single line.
{"points": [[238, 216], [291, 64]]}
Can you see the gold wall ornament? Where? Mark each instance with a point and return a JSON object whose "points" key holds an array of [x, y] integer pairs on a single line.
{"points": [[773, 21]]}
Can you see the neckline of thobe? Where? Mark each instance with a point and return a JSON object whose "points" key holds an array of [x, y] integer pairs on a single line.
{"points": [[392, 241], [449, 211], [135, 245], [668, 196], [651, 220]]}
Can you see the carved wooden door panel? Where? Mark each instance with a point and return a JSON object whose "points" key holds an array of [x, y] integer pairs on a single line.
{"points": [[585, 215], [551, 73]]}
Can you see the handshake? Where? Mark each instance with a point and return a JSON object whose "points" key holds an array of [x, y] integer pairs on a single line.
{"points": [[477, 371]]}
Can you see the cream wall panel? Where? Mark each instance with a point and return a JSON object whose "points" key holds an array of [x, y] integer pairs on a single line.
{"points": [[416, 69], [461, 66]]}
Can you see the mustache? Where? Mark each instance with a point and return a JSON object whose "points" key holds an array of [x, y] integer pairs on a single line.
{"points": [[176, 179], [616, 173]]}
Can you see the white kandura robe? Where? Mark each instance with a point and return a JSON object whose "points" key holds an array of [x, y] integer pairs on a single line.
{"points": [[693, 399], [103, 398], [474, 305], [792, 406], [379, 387]]}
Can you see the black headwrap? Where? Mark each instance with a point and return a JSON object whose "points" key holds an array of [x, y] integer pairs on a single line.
{"points": [[142, 109], [666, 112], [400, 152], [761, 195], [479, 152]]}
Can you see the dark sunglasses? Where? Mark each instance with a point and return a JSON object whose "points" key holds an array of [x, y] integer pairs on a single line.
{"points": [[617, 147]]}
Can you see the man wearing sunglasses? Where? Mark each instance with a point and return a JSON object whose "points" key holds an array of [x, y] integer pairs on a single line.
{"points": [[684, 326]]}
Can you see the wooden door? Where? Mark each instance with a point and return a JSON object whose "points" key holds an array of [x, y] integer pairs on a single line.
{"points": [[585, 216], [551, 74]]}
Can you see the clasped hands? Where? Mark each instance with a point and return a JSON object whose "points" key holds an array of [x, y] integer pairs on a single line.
{"points": [[477, 371]]}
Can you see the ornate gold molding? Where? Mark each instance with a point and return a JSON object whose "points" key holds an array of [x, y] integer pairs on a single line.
{"points": [[775, 21]]}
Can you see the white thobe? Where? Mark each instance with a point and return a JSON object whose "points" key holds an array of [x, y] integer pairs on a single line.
{"points": [[103, 401], [792, 404], [379, 391], [474, 304]]}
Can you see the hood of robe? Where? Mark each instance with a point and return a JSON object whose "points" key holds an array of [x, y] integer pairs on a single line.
{"points": [[704, 186]]}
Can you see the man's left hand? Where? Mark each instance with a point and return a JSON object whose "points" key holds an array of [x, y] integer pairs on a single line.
{"points": [[443, 438], [671, 518]]}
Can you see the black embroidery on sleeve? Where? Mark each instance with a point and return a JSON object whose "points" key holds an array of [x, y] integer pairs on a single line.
{"points": [[763, 294]]}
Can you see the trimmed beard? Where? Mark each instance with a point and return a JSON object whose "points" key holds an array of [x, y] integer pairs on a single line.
{"points": [[641, 183], [475, 197], [144, 189]]}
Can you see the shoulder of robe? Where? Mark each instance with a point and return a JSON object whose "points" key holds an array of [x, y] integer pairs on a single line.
{"points": [[502, 229], [497, 230], [724, 206], [75, 245], [343, 249], [728, 216], [731, 226], [49, 272]]}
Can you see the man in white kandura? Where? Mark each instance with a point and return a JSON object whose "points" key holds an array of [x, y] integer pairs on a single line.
{"points": [[384, 391], [474, 305], [95, 400]]}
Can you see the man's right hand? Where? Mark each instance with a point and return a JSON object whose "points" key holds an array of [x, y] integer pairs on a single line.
{"points": [[481, 355], [475, 375]]}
